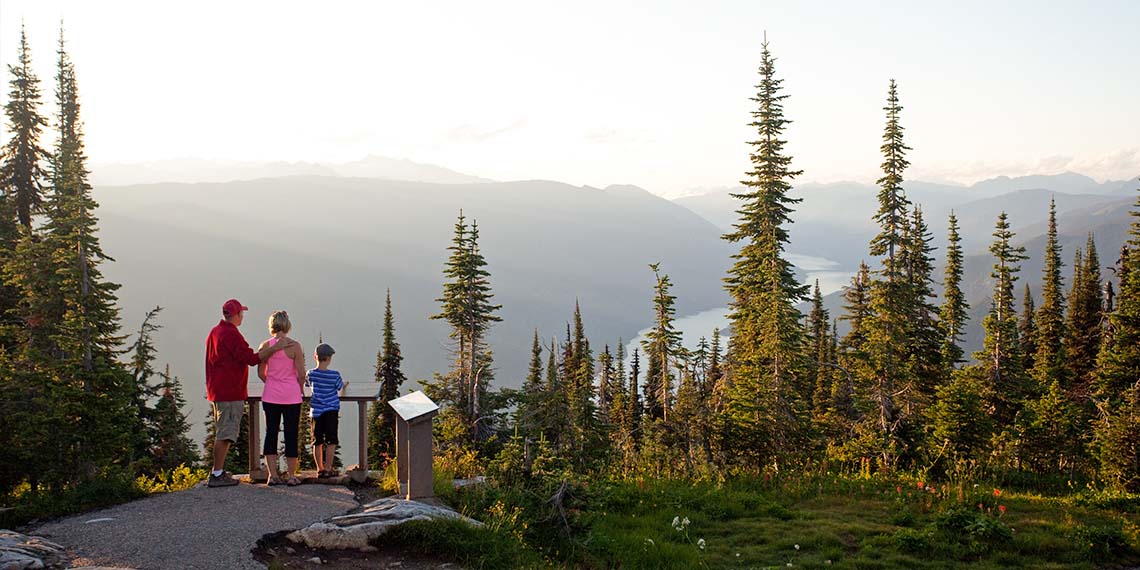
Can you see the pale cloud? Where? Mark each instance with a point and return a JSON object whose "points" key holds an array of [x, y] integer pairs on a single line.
{"points": [[476, 134], [1116, 165], [603, 135]]}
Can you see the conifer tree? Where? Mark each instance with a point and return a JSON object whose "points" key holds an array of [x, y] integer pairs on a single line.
{"points": [[636, 408], [555, 413], [1000, 359], [1083, 322], [605, 397], [769, 385], [467, 308], [619, 407], [924, 356], [818, 324], [687, 414], [1117, 393], [954, 311], [662, 346], [528, 417], [87, 335], [957, 419], [143, 353], [579, 365], [891, 295], [171, 445], [1027, 330], [382, 418], [22, 158], [1049, 361]]}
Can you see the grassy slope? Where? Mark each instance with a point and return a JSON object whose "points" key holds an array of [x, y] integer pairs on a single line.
{"points": [[836, 522]]}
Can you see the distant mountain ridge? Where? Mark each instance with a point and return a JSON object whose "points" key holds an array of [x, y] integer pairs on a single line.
{"points": [[834, 220], [195, 170]]}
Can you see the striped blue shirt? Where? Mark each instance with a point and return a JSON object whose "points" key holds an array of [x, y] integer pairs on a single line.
{"points": [[326, 384]]}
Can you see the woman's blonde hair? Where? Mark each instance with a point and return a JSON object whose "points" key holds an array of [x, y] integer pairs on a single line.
{"points": [[279, 322]]}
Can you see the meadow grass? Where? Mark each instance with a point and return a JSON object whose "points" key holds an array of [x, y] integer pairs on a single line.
{"points": [[807, 521]]}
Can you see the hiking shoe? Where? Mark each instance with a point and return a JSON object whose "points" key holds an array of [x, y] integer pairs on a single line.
{"points": [[223, 480]]}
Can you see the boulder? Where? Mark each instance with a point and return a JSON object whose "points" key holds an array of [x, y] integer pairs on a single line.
{"points": [[357, 530], [23, 552]]}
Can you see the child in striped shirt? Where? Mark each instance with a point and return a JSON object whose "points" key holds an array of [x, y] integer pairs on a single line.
{"points": [[325, 409]]}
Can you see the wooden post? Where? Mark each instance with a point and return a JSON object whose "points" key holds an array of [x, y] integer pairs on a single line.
{"points": [[256, 473], [402, 455], [362, 406]]}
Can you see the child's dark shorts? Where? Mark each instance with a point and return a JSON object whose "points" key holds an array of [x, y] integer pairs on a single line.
{"points": [[325, 427]]}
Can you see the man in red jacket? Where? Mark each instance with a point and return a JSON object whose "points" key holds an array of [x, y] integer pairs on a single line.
{"points": [[228, 358]]}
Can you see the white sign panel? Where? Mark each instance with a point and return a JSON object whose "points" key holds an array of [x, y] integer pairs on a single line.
{"points": [[413, 405]]}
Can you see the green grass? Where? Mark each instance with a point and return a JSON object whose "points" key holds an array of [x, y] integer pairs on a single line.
{"points": [[836, 522]]}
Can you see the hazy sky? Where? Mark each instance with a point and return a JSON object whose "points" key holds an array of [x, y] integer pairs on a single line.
{"points": [[648, 93]]}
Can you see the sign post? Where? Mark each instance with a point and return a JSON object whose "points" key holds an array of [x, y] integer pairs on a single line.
{"points": [[413, 444]]}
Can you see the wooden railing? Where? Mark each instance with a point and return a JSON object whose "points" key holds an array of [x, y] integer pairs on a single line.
{"points": [[258, 473]]}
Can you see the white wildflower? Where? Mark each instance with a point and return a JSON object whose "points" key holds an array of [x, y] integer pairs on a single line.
{"points": [[797, 547]]}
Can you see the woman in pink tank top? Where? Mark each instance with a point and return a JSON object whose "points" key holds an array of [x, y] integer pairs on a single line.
{"points": [[283, 374]]}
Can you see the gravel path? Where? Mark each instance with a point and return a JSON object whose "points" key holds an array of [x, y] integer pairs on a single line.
{"points": [[198, 529]]}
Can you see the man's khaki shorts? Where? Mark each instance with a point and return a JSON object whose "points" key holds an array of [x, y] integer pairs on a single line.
{"points": [[228, 416]]}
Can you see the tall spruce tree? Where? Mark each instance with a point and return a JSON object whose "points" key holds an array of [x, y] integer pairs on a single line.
{"points": [[891, 295], [171, 446], [87, 335], [769, 385], [924, 355], [818, 344], [1117, 392], [636, 407], [1083, 321], [382, 419], [579, 364], [1049, 363], [605, 394], [466, 306], [22, 159], [1027, 330], [619, 405], [1005, 387], [662, 347], [144, 390], [527, 417], [954, 311]]}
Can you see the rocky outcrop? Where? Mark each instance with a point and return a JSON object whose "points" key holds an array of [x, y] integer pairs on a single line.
{"points": [[23, 552], [357, 530]]}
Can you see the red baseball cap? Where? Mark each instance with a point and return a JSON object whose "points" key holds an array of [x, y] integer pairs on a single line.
{"points": [[233, 307]]}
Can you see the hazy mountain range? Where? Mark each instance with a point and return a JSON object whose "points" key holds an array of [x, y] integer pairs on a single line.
{"points": [[834, 221], [325, 245], [202, 170], [326, 249]]}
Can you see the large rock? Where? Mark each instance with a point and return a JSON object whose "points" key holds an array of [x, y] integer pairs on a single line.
{"points": [[23, 552], [357, 530]]}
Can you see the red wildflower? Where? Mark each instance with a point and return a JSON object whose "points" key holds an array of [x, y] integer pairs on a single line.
{"points": [[898, 489], [921, 485], [997, 492], [1002, 509]]}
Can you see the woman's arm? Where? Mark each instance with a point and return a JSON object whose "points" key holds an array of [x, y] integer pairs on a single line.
{"points": [[261, 365], [299, 362]]}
